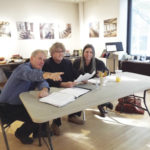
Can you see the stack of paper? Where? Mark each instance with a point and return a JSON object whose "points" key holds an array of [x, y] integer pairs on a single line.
{"points": [[84, 77], [58, 99], [63, 97], [94, 81], [76, 92]]}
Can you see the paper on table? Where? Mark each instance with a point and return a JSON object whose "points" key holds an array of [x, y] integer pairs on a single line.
{"points": [[85, 77], [63, 97], [58, 99], [75, 91], [94, 81], [98, 81]]}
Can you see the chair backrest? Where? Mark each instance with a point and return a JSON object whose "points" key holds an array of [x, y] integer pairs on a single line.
{"points": [[4, 124], [7, 73], [5, 120]]}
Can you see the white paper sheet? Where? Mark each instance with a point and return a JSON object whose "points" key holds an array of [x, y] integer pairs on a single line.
{"points": [[75, 91], [97, 81], [85, 77], [58, 99], [94, 81], [63, 97]]}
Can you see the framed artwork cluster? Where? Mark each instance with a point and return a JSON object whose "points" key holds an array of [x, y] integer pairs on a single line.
{"points": [[110, 28], [26, 30]]}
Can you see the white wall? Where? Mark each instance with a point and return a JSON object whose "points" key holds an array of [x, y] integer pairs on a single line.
{"points": [[100, 10], [46, 11], [37, 11]]}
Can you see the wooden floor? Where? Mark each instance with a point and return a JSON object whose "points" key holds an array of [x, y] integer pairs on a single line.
{"points": [[117, 131]]}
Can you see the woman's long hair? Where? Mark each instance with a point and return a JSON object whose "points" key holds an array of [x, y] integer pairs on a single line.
{"points": [[92, 63]]}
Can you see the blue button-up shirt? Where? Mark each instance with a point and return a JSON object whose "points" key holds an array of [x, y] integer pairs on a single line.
{"points": [[23, 78]]}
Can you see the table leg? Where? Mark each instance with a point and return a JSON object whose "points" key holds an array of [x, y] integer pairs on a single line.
{"points": [[145, 102], [4, 135], [49, 136], [39, 134]]}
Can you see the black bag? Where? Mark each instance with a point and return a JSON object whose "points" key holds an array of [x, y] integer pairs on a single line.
{"points": [[127, 105]]}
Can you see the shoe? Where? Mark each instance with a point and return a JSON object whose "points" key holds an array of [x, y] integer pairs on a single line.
{"points": [[109, 105], [55, 129], [24, 139], [76, 120], [102, 111]]}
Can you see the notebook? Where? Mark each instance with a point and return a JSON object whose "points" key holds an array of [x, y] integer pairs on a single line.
{"points": [[63, 97]]}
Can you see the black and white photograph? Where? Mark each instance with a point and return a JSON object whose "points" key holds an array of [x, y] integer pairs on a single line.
{"points": [[46, 30], [25, 30]]}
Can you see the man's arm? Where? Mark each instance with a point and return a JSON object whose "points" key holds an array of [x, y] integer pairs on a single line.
{"points": [[68, 84], [53, 76], [24, 72]]}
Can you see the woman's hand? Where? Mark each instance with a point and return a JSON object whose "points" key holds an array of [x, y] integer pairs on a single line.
{"points": [[102, 74]]}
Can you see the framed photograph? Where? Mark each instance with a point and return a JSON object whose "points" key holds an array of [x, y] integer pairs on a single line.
{"points": [[64, 31], [5, 29], [25, 30], [94, 29], [110, 27], [46, 30]]}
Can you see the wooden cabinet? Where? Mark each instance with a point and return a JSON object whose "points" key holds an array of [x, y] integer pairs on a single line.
{"points": [[136, 67]]}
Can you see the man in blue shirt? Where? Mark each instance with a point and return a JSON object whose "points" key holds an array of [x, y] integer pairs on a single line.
{"points": [[25, 77]]}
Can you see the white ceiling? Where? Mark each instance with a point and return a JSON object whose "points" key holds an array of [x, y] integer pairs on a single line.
{"points": [[72, 1]]}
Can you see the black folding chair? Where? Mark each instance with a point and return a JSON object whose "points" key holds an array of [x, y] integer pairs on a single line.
{"points": [[5, 123]]}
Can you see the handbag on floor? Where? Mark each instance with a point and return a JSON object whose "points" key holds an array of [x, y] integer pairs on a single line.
{"points": [[127, 105]]}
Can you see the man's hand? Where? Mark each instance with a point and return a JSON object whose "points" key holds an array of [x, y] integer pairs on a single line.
{"points": [[43, 92], [54, 76], [68, 84]]}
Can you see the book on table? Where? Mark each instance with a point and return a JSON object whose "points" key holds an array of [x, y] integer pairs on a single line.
{"points": [[64, 96]]}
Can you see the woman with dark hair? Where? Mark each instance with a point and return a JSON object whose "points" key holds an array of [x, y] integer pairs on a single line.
{"points": [[87, 64]]}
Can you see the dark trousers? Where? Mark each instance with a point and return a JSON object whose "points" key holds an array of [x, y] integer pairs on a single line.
{"points": [[58, 120], [18, 112]]}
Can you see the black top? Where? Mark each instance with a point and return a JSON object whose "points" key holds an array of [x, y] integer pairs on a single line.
{"points": [[65, 66], [100, 66]]}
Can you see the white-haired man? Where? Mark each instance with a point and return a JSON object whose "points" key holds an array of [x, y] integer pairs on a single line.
{"points": [[25, 77]]}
